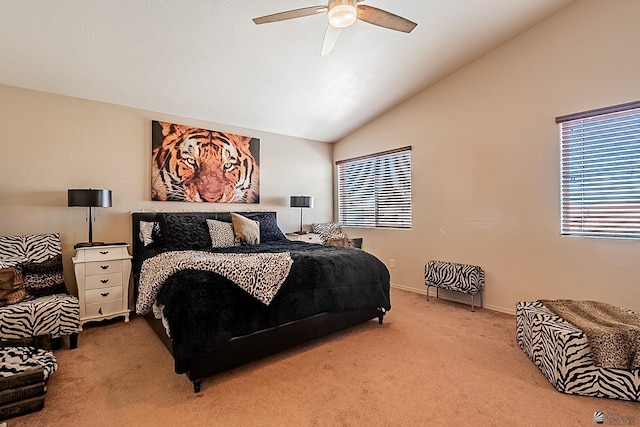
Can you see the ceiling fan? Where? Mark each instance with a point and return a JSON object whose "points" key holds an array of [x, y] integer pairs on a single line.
{"points": [[342, 14]]}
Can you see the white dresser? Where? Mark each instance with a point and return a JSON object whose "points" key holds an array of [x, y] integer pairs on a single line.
{"points": [[307, 237], [102, 274]]}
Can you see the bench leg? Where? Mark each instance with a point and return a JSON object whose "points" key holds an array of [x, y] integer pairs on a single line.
{"points": [[481, 305], [429, 287]]}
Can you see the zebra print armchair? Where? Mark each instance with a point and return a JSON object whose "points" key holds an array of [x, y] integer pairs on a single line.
{"points": [[50, 309]]}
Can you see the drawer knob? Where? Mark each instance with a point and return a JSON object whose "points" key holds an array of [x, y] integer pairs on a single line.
{"points": [[104, 280], [104, 294], [100, 310], [104, 267], [104, 252]]}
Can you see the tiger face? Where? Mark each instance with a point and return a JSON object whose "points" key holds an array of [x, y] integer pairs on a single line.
{"points": [[199, 165]]}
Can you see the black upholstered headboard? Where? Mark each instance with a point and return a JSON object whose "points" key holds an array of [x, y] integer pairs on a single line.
{"points": [[136, 217]]}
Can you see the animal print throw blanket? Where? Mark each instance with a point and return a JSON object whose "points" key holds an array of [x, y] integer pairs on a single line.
{"points": [[260, 275], [613, 333]]}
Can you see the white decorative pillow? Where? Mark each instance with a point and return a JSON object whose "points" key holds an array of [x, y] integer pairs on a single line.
{"points": [[246, 230], [221, 233], [146, 231]]}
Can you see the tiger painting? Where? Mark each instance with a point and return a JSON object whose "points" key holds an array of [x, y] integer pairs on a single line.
{"points": [[190, 164]]}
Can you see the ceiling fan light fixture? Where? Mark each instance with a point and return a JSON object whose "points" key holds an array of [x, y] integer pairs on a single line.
{"points": [[342, 13]]}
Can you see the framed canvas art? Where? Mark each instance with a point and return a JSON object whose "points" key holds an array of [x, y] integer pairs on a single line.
{"points": [[190, 164]]}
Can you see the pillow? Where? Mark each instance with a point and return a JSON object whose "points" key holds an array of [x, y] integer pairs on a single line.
{"points": [[338, 241], [328, 230], [246, 230], [147, 231], [269, 230], [221, 234], [11, 286], [44, 278], [184, 231]]}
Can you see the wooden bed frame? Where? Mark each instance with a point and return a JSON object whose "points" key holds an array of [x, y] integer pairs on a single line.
{"points": [[243, 349]]}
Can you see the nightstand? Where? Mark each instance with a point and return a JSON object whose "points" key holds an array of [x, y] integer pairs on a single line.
{"points": [[307, 237], [102, 274]]}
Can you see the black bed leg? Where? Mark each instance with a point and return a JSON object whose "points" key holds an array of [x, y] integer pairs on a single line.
{"points": [[196, 385], [381, 316]]}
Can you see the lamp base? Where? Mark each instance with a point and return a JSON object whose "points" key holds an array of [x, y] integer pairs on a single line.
{"points": [[87, 244], [301, 232]]}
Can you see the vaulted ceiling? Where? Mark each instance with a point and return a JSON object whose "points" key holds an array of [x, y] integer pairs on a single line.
{"points": [[207, 60]]}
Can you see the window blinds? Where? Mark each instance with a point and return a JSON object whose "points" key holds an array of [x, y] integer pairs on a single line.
{"points": [[600, 172], [375, 190]]}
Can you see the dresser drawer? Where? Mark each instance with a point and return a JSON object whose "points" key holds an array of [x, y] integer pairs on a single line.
{"points": [[103, 267], [104, 280], [93, 296], [101, 253], [104, 308]]}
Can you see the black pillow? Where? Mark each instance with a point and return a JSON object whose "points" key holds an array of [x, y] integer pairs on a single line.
{"points": [[184, 231], [269, 230]]}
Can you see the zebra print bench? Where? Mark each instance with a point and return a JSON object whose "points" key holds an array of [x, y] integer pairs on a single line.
{"points": [[465, 278], [56, 314], [561, 351]]}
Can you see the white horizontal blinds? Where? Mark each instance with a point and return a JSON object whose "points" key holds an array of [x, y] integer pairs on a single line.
{"points": [[600, 168], [375, 190]]}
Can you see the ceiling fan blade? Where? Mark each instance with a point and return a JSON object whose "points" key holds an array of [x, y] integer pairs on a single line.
{"points": [[290, 14], [385, 19], [330, 40]]}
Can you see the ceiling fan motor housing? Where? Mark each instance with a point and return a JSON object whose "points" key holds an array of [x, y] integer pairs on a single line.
{"points": [[342, 13]]}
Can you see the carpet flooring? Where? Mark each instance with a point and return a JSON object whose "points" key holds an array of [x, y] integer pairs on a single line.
{"points": [[432, 363]]}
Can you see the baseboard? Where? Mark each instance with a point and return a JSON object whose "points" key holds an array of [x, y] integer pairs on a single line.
{"points": [[432, 293]]}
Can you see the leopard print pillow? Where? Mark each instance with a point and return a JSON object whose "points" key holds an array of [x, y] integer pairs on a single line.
{"points": [[221, 233]]}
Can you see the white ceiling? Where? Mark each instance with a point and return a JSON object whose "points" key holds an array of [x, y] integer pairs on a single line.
{"points": [[206, 59]]}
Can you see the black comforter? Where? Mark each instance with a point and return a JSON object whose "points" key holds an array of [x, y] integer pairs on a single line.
{"points": [[204, 310]]}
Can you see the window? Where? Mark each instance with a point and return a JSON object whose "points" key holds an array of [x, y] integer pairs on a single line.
{"points": [[600, 172], [375, 190]]}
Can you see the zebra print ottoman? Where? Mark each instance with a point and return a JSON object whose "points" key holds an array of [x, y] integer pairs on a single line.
{"points": [[23, 375], [465, 278], [561, 351]]}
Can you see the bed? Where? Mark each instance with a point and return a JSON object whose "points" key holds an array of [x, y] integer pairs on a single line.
{"points": [[219, 307]]}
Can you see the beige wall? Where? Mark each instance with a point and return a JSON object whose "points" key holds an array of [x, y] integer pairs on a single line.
{"points": [[485, 162], [51, 143]]}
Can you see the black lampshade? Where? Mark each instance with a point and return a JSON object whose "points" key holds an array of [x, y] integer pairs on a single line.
{"points": [[89, 197], [301, 202]]}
